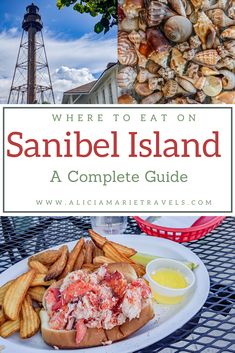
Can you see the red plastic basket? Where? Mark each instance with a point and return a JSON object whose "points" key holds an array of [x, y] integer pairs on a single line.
{"points": [[203, 226]]}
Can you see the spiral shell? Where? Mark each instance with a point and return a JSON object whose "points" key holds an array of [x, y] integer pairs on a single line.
{"points": [[142, 60], [228, 33], [192, 70], [144, 75], [155, 83], [207, 71], [208, 57], [219, 18], [200, 96], [126, 99], [186, 85], [197, 4], [142, 20], [178, 6], [227, 63], [160, 58], [231, 12], [178, 29], [131, 8], [157, 41], [205, 30], [152, 98], [157, 12], [183, 46], [126, 77], [224, 98], [230, 47], [172, 88], [177, 62], [166, 73], [195, 42], [143, 89], [220, 4], [189, 54], [228, 80], [126, 50], [200, 82], [152, 67], [135, 38]]}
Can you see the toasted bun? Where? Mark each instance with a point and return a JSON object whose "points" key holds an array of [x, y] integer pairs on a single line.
{"points": [[94, 336]]}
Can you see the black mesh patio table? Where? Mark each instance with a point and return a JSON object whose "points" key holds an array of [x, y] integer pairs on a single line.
{"points": [[211, 330]]}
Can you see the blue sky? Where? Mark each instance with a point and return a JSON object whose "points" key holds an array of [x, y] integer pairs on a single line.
{"points": [[69, 40]]}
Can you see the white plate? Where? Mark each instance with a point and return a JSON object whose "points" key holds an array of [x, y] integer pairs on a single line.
{"points": [[168, 318]]}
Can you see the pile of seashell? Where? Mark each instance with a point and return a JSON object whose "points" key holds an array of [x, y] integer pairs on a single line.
{"points": [[176, 51]]}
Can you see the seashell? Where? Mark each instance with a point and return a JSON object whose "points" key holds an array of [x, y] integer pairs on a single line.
{"points": [[228, 80], [220, 4], [143, 89], [126, 77], [227, 63], [224, 98], [207, 71], [213, 86], [145, 49], [155, 83], [192, 70], [231, 12], [200, 96], [126, 50], [152, 98], [177, 62], [129, 24], [166, 73], [228, 33], [157, 41], [178, 6], [178, 100], [189, 54], [178, 29], [188, 7], [195, 42], [186, 85], [193, 17], [142, 60], [197, 4], [144, 75], [222, 51], [157, 12], [172, 88], [205, 30], [191, 101], [131, 8], [230, 47], [135, 38], [219, 18], [200, 82], [126, 99], [183, 46], [152, 67], [160, 58], [142, 22], [208, 57]]}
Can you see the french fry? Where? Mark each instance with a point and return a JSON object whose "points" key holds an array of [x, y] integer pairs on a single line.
{"points": [[88, 246], [37, 293], [47, 257], [39, 280], [57, 268], [16, 293], [30, 322], [80, 260], [9, 327], [38, 266], [97, 251], [139, 269], [100, 241], [2, 317], [3, 290], [73, 257], [90, 267], [100, 260], [114, 254], [97, 238]]}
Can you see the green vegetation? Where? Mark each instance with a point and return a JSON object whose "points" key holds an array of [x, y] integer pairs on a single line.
{"points": [[106, 8]]}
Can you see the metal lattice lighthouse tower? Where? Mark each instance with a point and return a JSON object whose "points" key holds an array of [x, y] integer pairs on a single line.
{"points": [[31, 81]]}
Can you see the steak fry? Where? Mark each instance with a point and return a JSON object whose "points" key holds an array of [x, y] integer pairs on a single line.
{"points": [[57, 268]]}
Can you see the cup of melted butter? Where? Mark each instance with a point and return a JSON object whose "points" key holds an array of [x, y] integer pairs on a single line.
{"points": [[170, 280]]}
